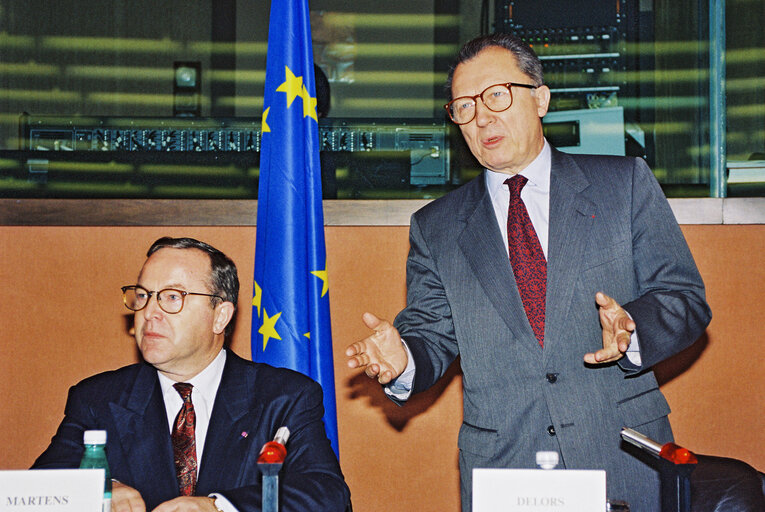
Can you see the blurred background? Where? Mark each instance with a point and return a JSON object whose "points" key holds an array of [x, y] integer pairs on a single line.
{"points": [[140, 99]]}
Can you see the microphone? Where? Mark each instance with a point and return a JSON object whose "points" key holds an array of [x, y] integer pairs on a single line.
{"points": [[669, 451], [270, 461], [675, 465], [274, 452]]}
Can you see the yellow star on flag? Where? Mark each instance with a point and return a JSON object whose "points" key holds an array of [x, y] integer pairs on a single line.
{"points": [[293, 86], [322, 274], [309, 105], [257, 296], [264, 128], [268, 329]]}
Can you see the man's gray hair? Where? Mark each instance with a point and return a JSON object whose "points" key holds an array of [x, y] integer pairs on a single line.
{"points": [[528, 62]]}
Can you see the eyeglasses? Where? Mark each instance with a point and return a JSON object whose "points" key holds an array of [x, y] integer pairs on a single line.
{"points": [[169, 300], [496, 98]]}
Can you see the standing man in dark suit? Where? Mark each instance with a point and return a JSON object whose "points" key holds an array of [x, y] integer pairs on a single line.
{"points": [[558, 303], [184, 302]]}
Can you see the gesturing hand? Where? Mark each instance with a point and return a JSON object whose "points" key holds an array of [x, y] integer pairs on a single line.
{"points": [[617, 331], [381, 355]]}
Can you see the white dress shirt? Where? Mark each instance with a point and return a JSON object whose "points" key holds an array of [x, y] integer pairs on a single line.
{"points": [[536, 196], [205, 387]]}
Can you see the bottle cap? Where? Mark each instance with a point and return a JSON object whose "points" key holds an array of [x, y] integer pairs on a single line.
{"points": [[94, 437], [547, 460]]}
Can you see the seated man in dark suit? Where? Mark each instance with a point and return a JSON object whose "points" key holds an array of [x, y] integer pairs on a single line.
{"points": [[184, 301]]}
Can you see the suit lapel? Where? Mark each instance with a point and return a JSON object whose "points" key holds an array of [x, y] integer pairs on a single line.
{"points": [[481, 243], [144, 435], [232, 429], [572, 216]]}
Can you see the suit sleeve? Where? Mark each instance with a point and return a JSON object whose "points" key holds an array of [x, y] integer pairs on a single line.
{"points": [[671, 311], [310, 478], [426, 322]]}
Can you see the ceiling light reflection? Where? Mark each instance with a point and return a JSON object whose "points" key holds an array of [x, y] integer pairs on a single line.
{"points": [[111, 44], [120, 73], [48, 95]]}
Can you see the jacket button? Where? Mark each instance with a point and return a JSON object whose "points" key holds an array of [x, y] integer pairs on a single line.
{"points": [[551, 430], [551, 377]]}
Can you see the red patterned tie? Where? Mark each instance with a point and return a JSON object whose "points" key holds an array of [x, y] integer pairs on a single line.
{"points": [[526, 257], [184, 442]]}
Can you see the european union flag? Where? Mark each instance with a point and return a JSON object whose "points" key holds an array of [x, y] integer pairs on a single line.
{"points": [[290, 321]]}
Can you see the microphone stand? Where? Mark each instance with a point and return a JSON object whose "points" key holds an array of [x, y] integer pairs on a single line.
{"points": [[270, 462], [675, 467]]}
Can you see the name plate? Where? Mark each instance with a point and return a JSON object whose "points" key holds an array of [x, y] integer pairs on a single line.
{"points": [[548, 490], [52, 490]]}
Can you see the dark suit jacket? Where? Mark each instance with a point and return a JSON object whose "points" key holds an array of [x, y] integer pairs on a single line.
{"points": [[253, 401], [612, 230]]}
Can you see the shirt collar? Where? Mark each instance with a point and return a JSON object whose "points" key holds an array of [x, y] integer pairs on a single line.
{"points": [[537, 172], [205, 382]]}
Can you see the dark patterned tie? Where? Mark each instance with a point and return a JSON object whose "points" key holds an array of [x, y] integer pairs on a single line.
{"points": [[526, 257], [184, 442]]}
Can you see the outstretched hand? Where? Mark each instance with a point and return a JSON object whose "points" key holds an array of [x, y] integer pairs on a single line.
{"points": [[381, 355], [617, 331]]}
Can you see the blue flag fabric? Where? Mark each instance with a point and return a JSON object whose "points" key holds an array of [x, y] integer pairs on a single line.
{"points": [[290, 313]]}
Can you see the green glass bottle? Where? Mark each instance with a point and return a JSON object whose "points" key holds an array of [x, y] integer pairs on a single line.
{"points": [[95, 458]]}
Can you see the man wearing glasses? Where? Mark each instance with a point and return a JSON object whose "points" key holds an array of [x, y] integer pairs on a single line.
{"points": [[185, 426], [559, 280]]}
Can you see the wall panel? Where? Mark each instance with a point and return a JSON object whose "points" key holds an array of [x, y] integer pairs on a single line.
{"points": [[62, 320]]}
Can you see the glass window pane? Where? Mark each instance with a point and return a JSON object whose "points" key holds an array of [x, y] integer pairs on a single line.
{"points": [[745, 98], [166, 103]]}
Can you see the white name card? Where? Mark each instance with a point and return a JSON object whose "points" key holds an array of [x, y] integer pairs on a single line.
{"points": [[52, 490], [539, 490]]}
